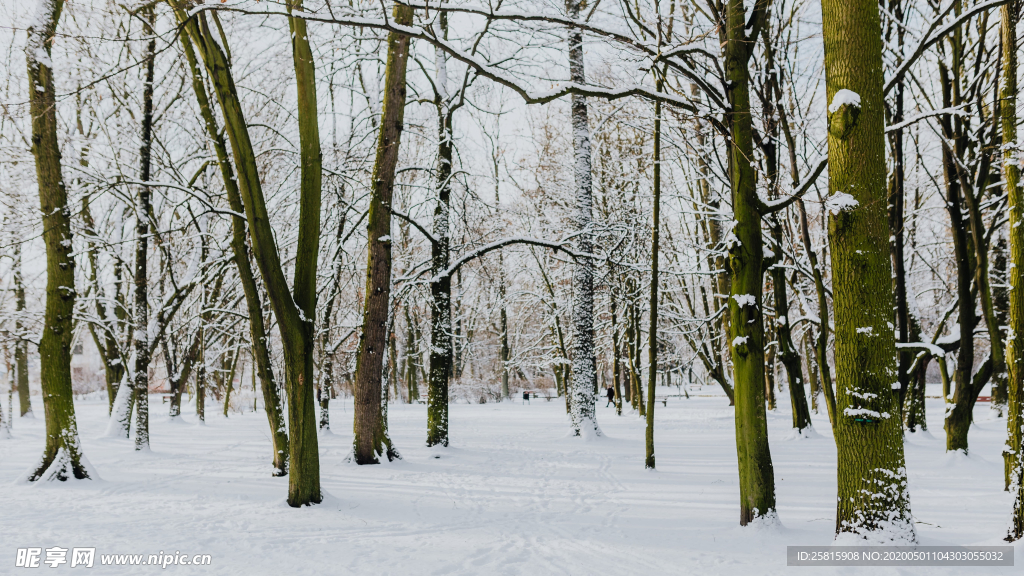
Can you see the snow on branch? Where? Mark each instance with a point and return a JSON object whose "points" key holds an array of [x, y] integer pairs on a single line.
{"points": [[930, 39], [556, 246], [956, 111], [926, 347], [766, 208], [479, 65]]}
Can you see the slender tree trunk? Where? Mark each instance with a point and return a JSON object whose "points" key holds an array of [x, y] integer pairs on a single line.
{"points": [[812, 372], [370, 442], [872, 491], [231, 381], [1014, 456], [21, 344], [441, 287], [142, 212], [1001, 303], [62, 454], [652, 369], [504, 352], [616, 355], [746, 326], [583, 416], [821, 343], [896, 209], [201, 377], [960, 415], [294, 310], [257, 328], [787, 350]]}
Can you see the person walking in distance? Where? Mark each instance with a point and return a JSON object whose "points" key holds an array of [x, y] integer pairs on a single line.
{"points": [[611, 396]]}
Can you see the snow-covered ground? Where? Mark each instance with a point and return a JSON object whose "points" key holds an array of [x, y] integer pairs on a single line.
{"points": [[512, 495]]}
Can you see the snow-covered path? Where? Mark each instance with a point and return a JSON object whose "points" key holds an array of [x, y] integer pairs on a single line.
{"points": [[512, 495]]}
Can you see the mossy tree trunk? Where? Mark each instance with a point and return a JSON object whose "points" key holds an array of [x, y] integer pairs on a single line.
{"points": [[370, 440], [1015, 353], [872, 481], [294, 309], [240, 250], [746, 325], [62, 454]]}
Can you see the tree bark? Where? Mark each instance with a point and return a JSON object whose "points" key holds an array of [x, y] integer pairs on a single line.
{"points": [[257, 328], [652, 369], [746, 327], [370, 441], [872, 491], [142, 214], [1014, 456], [62, 454], [582, 416], [441, 286], [21, 344], [294, 311]]}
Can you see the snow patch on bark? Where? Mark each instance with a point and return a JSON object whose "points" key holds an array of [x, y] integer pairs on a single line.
{"points": [[840, 202], [842, 98]]}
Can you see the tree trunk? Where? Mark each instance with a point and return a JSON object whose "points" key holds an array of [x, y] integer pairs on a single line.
{"points": [[1001, 303], [62, 454], [21, 344], [960, 415], [142, 213], [616, 355], [746, 328], [294, 311], [652, 369], [441, 286], [1014, 456], [257, 328], [370, 442], [821, 343], [872, 491], [787, 350], [583, 416]]}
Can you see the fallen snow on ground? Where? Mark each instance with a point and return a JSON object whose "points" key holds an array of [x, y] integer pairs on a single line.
{"points": [[512, 495]]}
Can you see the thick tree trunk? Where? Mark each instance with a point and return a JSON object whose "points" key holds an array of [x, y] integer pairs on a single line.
{"points": [[872, 491], [1014, 456], [370, 442], [583, 371], [62, 454], [142, 213]]}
